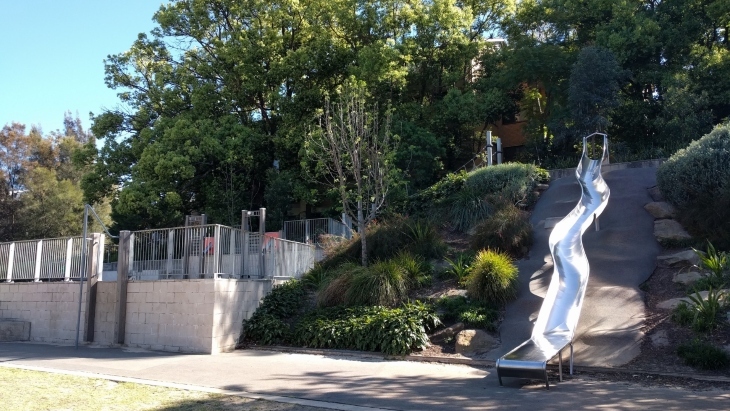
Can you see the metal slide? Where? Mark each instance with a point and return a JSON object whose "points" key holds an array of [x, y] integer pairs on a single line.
{"points": [[558, 318]]}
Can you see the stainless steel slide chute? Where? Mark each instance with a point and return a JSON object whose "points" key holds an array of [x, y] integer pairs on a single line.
{"points": [[555, 327]]}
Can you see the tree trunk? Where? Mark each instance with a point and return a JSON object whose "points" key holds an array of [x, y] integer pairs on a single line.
{"points": [[363, 236]]}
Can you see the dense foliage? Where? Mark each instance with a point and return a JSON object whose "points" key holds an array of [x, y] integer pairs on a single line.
{"points": [[471, 313], [507, 230], [268, 324], [40, 196], [696, 180], [700, 354], [492, 278], [219, 91], [387, 239], [469, 198], [396, 331]]}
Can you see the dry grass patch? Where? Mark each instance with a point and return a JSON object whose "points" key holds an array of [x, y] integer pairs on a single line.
{"points": [[24, 390]]}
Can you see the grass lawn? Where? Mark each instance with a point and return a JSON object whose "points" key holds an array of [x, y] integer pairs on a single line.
{"points": [[22, 390]]}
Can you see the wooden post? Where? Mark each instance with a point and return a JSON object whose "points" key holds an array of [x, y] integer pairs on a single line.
{"points": [[124, 263]]}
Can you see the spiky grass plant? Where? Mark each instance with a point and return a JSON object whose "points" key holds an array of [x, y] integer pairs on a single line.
{"points": [[492, 278], [383, 283], [508, 230]]}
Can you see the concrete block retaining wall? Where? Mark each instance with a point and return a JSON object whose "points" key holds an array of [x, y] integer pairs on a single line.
{"points": [[169, 315], [51, 308], [104, 321], [235, 301]]}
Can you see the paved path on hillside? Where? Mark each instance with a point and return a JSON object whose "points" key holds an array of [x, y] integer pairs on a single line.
{"points": [[338, 381], [622, 255]]}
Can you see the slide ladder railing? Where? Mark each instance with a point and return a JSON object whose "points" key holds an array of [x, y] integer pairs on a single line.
{"points": [[555, 327]]}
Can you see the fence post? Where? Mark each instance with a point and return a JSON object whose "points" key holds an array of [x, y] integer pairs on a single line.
{"points": [[262, 233], [69, 254], [170, 251], [38, 255], [123, 267], [245, 239], [216, 249], [11, 256], [92, 277], [245, 244]]}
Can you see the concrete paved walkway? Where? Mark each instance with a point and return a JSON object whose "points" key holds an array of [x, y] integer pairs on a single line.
{"points": [[622, 255], [337, 382]]}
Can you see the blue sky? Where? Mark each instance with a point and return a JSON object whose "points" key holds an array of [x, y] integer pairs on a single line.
{"points": [[52, 56]]}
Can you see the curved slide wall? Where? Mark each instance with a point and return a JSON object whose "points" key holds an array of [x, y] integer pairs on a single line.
{"points": [[558, 318]]}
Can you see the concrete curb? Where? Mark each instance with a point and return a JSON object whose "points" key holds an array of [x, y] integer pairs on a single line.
{"points": [[188, 387], [485, 363]]}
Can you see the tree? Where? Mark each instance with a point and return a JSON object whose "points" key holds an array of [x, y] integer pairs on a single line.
{"points": [[593, 92], [354, 153], [40, 196]]}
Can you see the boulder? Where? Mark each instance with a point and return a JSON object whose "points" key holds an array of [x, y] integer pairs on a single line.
{"points": [[542, 187], [670, 232], [14, 330], [686, 258], [687, 278], [655, 194], [470, 342], [660, 209], [447, 333], [674, 302]]}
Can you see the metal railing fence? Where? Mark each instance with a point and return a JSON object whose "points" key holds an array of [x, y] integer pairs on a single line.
{"points": [[215, 251], [208, 251], [39, 260], [288, 258]]}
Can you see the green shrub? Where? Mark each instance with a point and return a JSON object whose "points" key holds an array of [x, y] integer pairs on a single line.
{"points": [[514, 182], [438, 194], [714, 261], [395, 331], [707, 309], [508, 230], [703, 355], [424, 240], [471, 313], [467, 207], [317, 278], [696, 180], [701, 314], [683, 314], [418, 271], [492, 278], [265, 329], [459, 267], [285, 300], [386, 239], [383, 283], [340, 281], [268, 324]]}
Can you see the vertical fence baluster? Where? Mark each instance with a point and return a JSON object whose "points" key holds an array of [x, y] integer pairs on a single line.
{"points": [[37, 266], [11, 261]]}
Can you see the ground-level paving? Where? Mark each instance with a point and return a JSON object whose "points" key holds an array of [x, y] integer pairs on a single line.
{"points": [[364, 382]]}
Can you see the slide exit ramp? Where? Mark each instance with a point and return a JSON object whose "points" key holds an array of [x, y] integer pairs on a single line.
{"points": [[556, 323]]}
